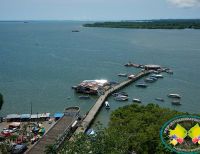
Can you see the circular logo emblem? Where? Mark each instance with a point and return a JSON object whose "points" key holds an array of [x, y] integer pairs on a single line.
{"points": [[181, 134]]}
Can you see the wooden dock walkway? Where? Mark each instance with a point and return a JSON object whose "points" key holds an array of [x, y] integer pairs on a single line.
{"points": [[56, 133], [95, 109]]}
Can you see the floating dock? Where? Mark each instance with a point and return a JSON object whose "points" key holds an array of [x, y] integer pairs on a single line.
{"points": [[95, 109]]}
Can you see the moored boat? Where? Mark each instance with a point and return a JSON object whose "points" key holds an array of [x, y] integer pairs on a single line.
{"points": [[169, 72], [142, 85], [174, 96], [156, 72], [131, 76], [149, 80], [176, 102], [120, 93], [84, 97], [74, 87], [157, 75], [91, 132], [122, 75], [159, 99], [153, 78], [75, 31], [72, 110], [107, 105], [121, 98], [135, 100], [129, 64]]}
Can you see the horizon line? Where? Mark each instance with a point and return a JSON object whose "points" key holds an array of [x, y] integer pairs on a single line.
{"points": [[21, 20]]}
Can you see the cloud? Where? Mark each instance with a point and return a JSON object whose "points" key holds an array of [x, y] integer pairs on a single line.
{"points": [[185, 3]]}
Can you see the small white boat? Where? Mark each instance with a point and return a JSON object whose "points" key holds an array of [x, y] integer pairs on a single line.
{"points": [[107, 105], [174, 96], [142, 85], [131, 76], [176, 102], [157, 75], [121, 98], [120, 93], [149, 80], [153, 78], [137, 100], [156, 72], [122, 75], [74, 87], [91, 132], [169, 72], [159, 99]]}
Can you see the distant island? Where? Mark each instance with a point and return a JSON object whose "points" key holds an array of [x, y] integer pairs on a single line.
{"points": [[150, 24]]}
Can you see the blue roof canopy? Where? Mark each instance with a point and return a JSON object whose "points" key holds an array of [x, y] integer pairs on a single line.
{"points": [[25, 116], [58, 115]]}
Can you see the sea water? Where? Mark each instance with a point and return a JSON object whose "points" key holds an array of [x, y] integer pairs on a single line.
{"points": [[41, 60]]}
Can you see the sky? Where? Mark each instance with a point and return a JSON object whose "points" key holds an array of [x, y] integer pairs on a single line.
{"points": [[98, 9]]}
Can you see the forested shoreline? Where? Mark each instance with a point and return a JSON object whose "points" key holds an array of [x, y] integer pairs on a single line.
{"points": [[132, 128], [150, 24]]}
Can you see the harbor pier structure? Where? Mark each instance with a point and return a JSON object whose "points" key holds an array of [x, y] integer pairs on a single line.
{"points": [[95, 109], [57, 133]]}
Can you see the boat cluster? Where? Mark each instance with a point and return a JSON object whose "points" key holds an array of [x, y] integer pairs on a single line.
{"points": [[129, 64], [129, 76], [175, 99], [120, 96], [152, 67], [123, 96], [152, 78]]}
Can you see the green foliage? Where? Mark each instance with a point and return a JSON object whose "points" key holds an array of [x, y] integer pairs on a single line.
{"points": [[151, 24], [1, 100], [50, 149], [80, 145], [5, 148], [131, 128], [140, 125]]}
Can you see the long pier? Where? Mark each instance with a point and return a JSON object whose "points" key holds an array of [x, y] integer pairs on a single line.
{"points": [[95, 109]]}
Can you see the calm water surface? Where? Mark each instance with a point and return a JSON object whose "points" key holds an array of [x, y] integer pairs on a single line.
{"points": [[40, 61]]}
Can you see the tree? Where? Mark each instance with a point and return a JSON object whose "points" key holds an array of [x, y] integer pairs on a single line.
{"points": [[140, 125], [50, 149], [131, 129], [1, 101], [5, 148]]}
